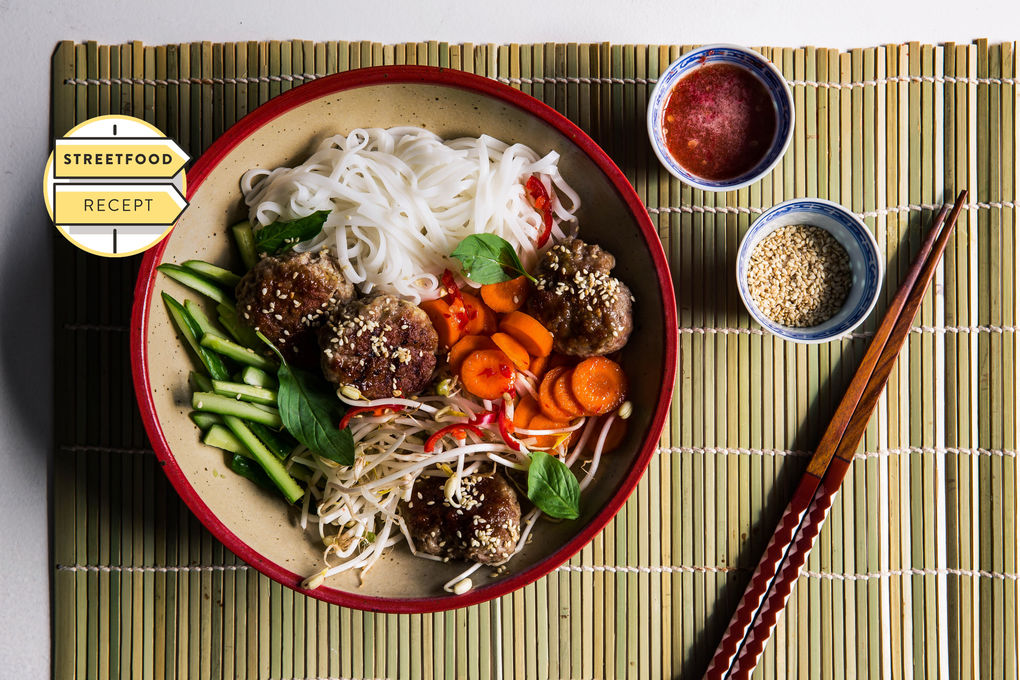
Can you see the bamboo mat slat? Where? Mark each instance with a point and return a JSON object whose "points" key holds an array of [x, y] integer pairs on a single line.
{"points": [[914, 574]]}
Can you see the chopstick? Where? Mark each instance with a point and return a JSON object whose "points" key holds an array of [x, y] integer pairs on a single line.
{"points": [[770, 586]]}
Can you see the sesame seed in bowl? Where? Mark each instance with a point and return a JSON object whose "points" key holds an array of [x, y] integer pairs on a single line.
{"points": [[809, 271]]}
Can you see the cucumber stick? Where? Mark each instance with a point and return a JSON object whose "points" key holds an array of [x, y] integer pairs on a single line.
{"points": [[195, 282], [223, 277], [211, 402], [201, 319], [234, 351], [258, 378], [259, 395], [245, 239], [270, 463], [222, 438], [191, 333], [205, 420]]}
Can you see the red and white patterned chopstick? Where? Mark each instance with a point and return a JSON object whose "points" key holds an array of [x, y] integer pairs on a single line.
{"points": [[777, 571]]}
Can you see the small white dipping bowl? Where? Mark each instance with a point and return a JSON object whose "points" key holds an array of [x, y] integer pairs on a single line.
{"points": [[852, 234], [757, 65]]}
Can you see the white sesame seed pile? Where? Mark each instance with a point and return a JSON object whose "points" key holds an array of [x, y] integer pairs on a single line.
{"points": [[799, 275]]}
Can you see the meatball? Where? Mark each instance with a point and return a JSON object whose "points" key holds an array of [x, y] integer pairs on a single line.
{"points": [[484, 528], [587, 310], [382, 345], [288, 296]]}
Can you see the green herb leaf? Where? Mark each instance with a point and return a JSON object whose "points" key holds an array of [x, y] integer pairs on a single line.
{"points": [[487, 258], [279, 237], [311, 412], [552, 487]]}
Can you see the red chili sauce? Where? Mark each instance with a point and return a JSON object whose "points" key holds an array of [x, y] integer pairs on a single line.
{"points": [[719, 121]]}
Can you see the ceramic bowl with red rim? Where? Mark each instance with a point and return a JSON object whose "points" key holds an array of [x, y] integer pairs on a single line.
{"points": [[720, 117], [257, 525]]}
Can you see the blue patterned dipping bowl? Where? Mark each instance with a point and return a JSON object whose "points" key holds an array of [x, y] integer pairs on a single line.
{"points": [[851, 233], [758, 66]]}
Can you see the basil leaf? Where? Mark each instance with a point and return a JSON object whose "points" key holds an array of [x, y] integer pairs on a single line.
{"points": [[279, 237], [552, 487], [487, 258], [311, 412]]}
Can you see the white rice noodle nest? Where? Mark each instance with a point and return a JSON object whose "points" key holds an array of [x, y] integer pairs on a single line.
{"points": [[402, 199]]}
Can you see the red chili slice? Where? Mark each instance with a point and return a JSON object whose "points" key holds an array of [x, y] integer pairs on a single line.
{"points": [[461, 314], [379, 410], [453, 430], [540, 199]]}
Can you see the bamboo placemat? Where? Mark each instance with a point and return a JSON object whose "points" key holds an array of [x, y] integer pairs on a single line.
{"points": [[915, 572]]}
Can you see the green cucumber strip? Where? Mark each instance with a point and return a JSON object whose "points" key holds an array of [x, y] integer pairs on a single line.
{"points": [[190, 331], [250, 470], [259, 395], [243, 334], [258, 378], [222, 438], [245, 239], [204, 324], [223, 277], [280, 443], [205, 420], [236, 352], [211, 402], [195, 282], [198, 382], [270, 463]]}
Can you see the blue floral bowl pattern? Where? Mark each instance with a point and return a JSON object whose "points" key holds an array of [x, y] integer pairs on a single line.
{"points": [[852, 234], [758, 65]]}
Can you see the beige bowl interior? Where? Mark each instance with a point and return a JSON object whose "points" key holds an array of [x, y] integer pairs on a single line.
{"points": [[262, 520]]}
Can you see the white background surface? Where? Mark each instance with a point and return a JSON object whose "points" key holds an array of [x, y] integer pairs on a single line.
{"points": [[30, 30]]}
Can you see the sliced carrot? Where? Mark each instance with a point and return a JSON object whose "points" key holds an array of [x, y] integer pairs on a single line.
{"points": [[481, 319], [466, 345], [524, 410], [546, 399], [539, 365], [599, 385], [541, 422], [564, 397], [614, 437], [506, 296], [442, 320], [487, 373], [529, 332], [512, 349]]}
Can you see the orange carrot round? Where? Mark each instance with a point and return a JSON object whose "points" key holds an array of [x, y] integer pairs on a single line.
{"points": [[564, 396], [512, 349], [539, 365], [599, 385], [529, 332], [505, 296], [466, 345], [541, 422], [447, 327], [546, 398], [481, 319], [526, 409], [613, 438], [487, 373]]}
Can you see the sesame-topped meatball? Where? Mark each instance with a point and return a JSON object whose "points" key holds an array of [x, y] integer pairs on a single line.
{"points": [[288, 296], [587, 310], [382, 345], [484, 525]]}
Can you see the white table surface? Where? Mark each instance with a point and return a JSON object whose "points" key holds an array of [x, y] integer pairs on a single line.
{"points": [[30, 30]]}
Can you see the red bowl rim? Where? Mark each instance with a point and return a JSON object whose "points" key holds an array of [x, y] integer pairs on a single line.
{"points": [[361, 78]]}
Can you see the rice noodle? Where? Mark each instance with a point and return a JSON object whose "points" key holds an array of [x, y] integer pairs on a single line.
{"points": [[401, 200]]}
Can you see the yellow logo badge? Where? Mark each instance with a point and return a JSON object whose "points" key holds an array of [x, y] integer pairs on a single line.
{"points": [[115, 185]]}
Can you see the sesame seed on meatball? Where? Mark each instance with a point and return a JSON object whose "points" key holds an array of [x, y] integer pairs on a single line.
{"points": [[287, 297], [587, 310], [483, 525], [382, 345]]}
